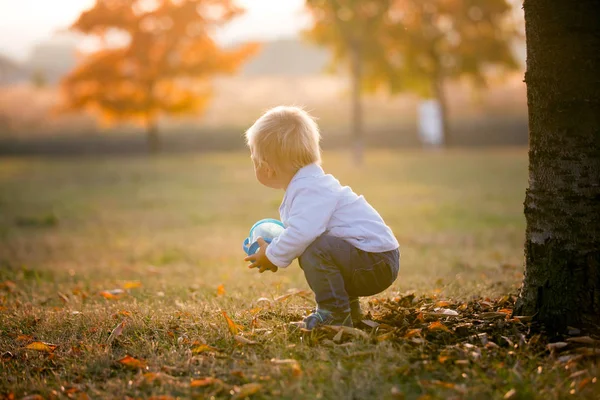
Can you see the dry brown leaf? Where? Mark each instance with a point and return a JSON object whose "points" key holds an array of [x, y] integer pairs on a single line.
{"points": [[355, 332], [114, 294], [510, 394], [233, 327], [492, 315], [161, 397], [116, 332], [264, 302], [446, 311], [246, 390], [505, 311], [584, 382], [220, 290], [437, 325], [24, 338], [132, 362], [202, 348], [33, 397], [443, 358], [132, 285], [296, 370], [42, 346], [63, 297], [205, 382], [370, 324], [583, 340], [442, 303], [556, 346], [412, 332], [338, 336], [243, 340]]}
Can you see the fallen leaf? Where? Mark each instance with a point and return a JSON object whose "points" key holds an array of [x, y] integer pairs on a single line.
{"points": [[412, 332], [246, 390], [492, 315], [437, 325], [63, 297], [220, 290], [42, 346], [202, 348], [24, 338], [132, 362], [263, 301], [33, 397], [583, 340], [370, 324], [556, 346], [161, 397], [338, 336], [510, 394], [584, 382], [446, 311], [505, 311], [243, 340], [205, 382], [114, 294], [116, 332], [442, 303], [132, 285], [233, 327], [296, 370]]}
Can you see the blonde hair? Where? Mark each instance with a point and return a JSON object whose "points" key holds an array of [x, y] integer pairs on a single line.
{"points": [[287, 138]]}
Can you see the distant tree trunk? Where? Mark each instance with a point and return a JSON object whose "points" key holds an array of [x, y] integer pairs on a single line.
{"points": [[152, 137], [357, 110], [440, 96], [562, 205]]}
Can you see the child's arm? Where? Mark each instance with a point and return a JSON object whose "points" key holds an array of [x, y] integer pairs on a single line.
{"points": [[308, 217]]}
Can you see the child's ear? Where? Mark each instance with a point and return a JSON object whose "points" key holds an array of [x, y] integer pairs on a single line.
{"points": [[270, 171]]}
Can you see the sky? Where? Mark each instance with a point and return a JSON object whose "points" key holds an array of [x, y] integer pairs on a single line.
{"points": [[23, 23]]}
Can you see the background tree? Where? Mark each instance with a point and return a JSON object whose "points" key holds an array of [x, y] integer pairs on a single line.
{"points": [[165, 67], [562, 205], [426, 42], [349, 29]]}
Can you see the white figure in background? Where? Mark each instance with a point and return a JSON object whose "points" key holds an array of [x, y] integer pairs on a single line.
{"points": [[430, 123]]}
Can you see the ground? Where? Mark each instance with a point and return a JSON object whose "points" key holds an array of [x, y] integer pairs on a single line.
{"points": [[132, 267]]}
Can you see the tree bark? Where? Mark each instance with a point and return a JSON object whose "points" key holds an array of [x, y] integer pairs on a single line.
{"points": [[152, 136], [357, 109], [561, 286]]}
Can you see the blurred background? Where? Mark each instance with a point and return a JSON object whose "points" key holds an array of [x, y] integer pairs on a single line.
{"points": [[122, 121], [74, 74]]}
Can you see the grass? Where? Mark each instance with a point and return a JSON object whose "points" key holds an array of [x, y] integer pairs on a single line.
{"points": [[168, 231]]}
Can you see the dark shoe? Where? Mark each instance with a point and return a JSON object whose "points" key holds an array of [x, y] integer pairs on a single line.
{"points": [[323, 317], [356, 311]]}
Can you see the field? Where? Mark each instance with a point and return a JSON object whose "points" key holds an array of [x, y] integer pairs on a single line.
{"points": [[167, 232]]}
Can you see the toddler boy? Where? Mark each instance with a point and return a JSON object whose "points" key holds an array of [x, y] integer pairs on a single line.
{"points": [[341, 242]]}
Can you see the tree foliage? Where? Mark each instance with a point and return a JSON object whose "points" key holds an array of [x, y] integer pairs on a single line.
{"points": [[165, 65], [424, 41], [415, 45]]}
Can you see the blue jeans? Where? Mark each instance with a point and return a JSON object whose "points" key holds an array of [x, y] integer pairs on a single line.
{"points": [[337, 272]]}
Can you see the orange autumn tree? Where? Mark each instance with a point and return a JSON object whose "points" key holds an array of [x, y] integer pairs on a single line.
{"points": [[165, 65]]}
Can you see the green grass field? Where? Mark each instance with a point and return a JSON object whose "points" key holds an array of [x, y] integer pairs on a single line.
{"points": [[168, 230]]}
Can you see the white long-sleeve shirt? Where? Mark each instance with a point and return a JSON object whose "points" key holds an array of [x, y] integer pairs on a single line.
{"points": [[314, 204]]}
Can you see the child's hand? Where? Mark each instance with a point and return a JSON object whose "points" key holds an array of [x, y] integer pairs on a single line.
{"points": [[260, 260]]}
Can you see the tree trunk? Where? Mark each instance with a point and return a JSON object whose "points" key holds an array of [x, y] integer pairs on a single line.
{"points": [[562, 204], [152, 137], [357, 111], [440, 96]]}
